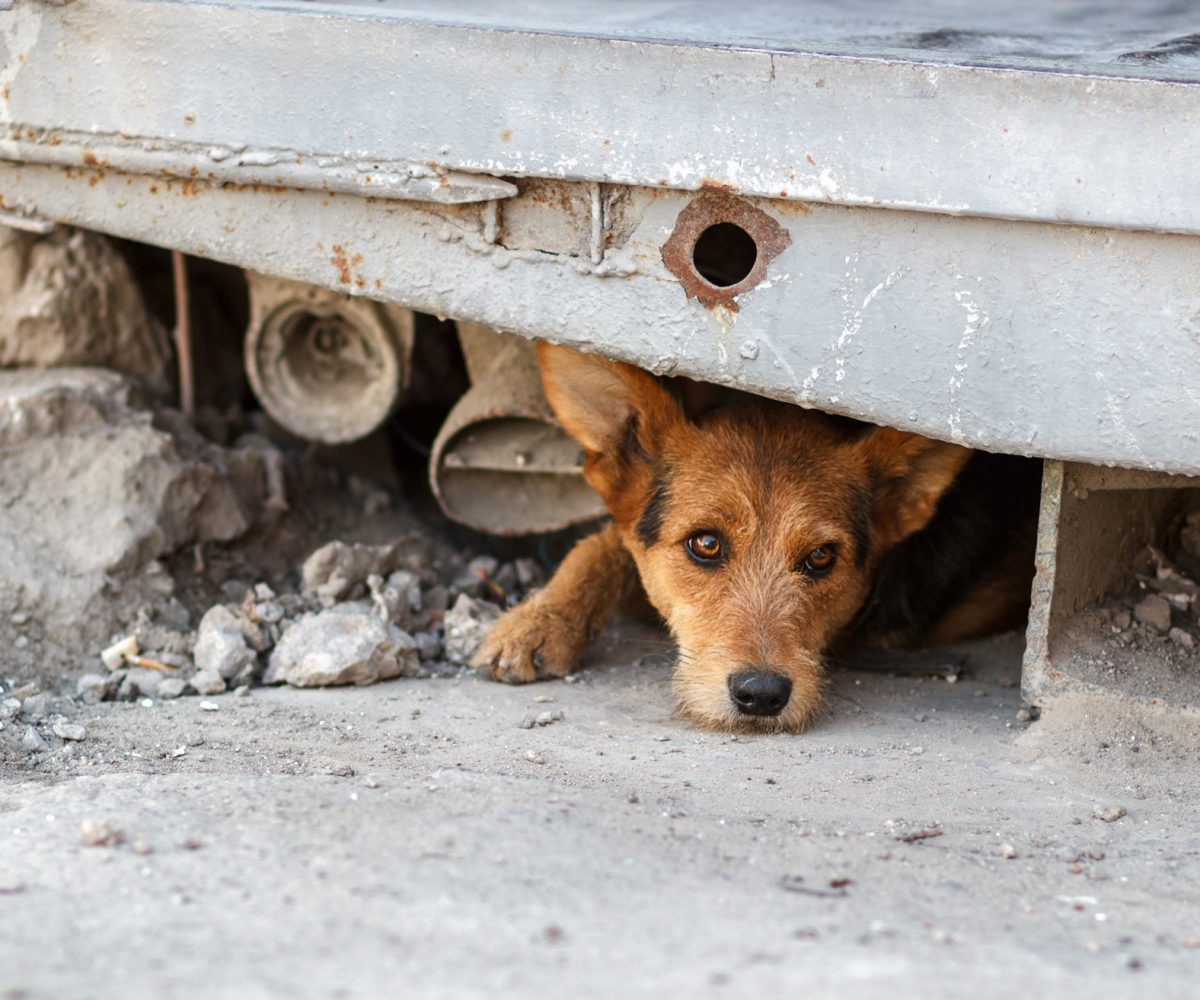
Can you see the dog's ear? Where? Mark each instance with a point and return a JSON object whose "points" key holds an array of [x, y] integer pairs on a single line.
{"points": [[615, 411], [911, 474]]}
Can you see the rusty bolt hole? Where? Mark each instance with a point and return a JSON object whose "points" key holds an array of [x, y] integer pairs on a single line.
{"points": [[721, 247], [724, 254]]}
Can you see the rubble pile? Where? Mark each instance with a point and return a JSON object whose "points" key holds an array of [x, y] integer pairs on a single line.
{"points": [[362, 614], [1165, 611]]}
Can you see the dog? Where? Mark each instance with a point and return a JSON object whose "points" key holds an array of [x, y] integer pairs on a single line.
{"points": [[767, 536]]}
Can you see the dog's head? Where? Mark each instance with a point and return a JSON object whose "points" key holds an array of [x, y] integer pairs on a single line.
{"points": [[756, 528]]}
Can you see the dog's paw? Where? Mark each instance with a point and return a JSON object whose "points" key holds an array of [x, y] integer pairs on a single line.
{"points": [[532, 642]]}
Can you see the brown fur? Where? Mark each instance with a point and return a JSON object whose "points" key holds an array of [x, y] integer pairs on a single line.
{"points": [[775, 482]]}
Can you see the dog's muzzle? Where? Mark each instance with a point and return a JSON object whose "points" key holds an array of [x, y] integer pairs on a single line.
{"points": [[759, 692]]}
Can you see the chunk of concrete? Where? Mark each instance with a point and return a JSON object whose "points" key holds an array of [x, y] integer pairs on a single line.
{"points": [[333, 570], [1154, 611], [221, 646], [341, 647], [70, 299], [95, 487], [466, 624]]}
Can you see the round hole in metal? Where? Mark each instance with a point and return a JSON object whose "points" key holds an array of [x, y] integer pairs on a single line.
{"points": [[724, 254]]}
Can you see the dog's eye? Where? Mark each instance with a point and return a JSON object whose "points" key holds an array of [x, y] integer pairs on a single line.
{"points": [[705, 546], [819, 561]]}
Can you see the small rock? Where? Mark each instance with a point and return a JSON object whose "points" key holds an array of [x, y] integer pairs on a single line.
{"points": [[70, 731], [10, 708], [147, 681], [466, 625], [1122, 619], [1024, 715], [171, 687], [100, 833], [207, 682], [909, 831], [114, 656], [436, 598], [546, 718], [270, 612], [1008, 852], [32, 741], [429, 646], [341, 771], [209, 706], [534, 757], [221, 646], [141, 847], [92, 689], [341, 647], [1109, 813], [333, 570], [1182, 638], [36, 706], [529, 573], [1154, 611]]}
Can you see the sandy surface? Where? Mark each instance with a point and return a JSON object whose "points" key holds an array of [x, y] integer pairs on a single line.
{"points": [[411, 840]]}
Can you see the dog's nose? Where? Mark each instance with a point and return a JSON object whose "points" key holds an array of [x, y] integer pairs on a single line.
{"points": [[759, 692]]}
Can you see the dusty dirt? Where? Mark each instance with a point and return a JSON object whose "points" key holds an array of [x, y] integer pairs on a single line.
{"points": [[439, 835], [413, 838]]}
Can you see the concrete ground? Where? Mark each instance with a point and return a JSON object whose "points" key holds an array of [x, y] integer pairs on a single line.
{"points": [[412, 840]]}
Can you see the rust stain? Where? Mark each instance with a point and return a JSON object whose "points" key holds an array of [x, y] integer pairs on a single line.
{"points": [[378, 284], [712, 184], [89, 159], [506, 135], [189, 118], [154, 189], [711, 209], [4, 92], [340, 263], [345, 265], [809, 160]]}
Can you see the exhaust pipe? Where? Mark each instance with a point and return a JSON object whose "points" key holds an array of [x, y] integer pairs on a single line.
{"points": [[327, 367], [501, 463]]}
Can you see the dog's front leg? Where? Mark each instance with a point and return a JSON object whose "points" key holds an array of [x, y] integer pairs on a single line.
{"points": [[545, 635]]}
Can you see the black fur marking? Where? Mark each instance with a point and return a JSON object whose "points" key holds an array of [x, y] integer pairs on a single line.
{"points": [[631, 442], [862, 510], [990, 507], [650, 523]]}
